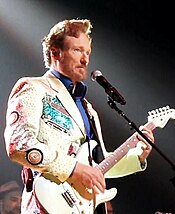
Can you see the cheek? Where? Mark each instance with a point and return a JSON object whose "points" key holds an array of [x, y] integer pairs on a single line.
{"points": [[72, 64], [68, 62], [7, 206], [74, 58]]}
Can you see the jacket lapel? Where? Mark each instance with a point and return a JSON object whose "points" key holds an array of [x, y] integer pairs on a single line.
{"points": [[66, 99]]}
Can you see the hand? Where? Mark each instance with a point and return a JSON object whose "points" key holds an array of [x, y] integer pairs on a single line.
{"points": [[146, 147], [90, 177]]}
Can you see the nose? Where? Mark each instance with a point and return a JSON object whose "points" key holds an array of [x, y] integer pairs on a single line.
{"points": [[84, 59]]}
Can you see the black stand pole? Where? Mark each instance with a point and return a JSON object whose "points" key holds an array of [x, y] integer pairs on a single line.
{"points": [[112, 104]]}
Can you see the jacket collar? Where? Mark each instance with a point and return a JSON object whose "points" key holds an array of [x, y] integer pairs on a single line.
{"points": [[77, 92]]}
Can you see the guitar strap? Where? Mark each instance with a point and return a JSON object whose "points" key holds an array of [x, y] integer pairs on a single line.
{"points": [[101, 209], [90, 158], [90, 112], [95, 125], [96, 153]]}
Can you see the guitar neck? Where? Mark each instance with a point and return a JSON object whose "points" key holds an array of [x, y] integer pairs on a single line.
{"points": [[122, 150]]}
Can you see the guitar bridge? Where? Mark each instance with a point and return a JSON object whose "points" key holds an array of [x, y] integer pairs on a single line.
{"points": [[69, 198]]}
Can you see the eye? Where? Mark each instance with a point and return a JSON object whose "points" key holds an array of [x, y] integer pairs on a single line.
{"points": [[77, 50], [88, 53]]}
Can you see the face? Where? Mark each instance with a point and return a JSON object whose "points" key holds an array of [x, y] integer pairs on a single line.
{"points": [[74, 58], [12, 202]]}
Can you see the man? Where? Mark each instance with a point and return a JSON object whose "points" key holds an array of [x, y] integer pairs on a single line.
{"points": [[49, 121], [10, 198]]}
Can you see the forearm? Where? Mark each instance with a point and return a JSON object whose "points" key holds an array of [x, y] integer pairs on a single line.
{"points": [[129, 164]]}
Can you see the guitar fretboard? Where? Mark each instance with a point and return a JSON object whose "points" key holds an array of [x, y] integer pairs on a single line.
{"points": [[122, 150]]}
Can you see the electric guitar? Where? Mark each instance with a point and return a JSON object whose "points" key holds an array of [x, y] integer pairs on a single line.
{"points": [[71, 197]]}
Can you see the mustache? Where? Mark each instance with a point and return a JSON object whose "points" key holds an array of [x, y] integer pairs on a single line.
{"points": [[82, 66]]}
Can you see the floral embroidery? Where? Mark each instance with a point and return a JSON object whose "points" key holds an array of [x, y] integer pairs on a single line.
{"points": [[54, 114]]}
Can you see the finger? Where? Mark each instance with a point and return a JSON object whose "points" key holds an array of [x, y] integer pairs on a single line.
{"points": [[146, 148], [99, 181], [148, 135], [99, 186], [96, 190]]}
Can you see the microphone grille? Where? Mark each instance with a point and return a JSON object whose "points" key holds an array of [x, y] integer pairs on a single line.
{"points": [[95, 74]]}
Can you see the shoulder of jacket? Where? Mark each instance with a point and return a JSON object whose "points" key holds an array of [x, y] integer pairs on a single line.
{"points": [[26, 82], [31, 80]]}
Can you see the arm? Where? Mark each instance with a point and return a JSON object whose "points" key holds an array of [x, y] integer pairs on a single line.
{"points": [[130, 163], [25, 130], [134, 160]]}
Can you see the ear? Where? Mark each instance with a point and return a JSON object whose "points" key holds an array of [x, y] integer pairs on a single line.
{"points": [[55, 53]]}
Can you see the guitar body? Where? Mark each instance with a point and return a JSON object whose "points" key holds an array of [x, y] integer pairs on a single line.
{"points": [[69, 197]]}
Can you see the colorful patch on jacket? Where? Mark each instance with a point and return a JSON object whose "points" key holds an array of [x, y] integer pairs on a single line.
{"points": [[54, 114]]}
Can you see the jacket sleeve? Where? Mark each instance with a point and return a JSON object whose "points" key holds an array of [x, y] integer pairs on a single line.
{"points": [[23, 123], [129, 164]]}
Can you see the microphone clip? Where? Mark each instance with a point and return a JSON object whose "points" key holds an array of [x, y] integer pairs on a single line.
{"points": [[115, 95]]}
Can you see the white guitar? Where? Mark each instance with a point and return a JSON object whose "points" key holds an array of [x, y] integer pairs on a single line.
{"points": [[71, 197]]}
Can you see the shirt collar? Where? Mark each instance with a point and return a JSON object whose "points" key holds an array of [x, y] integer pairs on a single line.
{"points": [[80, 89]]}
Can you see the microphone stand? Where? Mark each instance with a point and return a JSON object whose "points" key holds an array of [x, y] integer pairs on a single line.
{"points": [[113, 105]]}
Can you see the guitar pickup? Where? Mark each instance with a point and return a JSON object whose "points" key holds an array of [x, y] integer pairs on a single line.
{"points": [[69, 198]]}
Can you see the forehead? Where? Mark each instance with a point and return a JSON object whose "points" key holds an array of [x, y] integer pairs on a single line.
{"points": [[15, 194], [82, 41]]}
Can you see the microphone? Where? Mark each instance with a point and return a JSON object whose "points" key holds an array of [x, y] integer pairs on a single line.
{"points": [[109, 89]]}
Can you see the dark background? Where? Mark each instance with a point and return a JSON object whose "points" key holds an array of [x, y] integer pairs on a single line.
{"points": [[133, 46]]}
